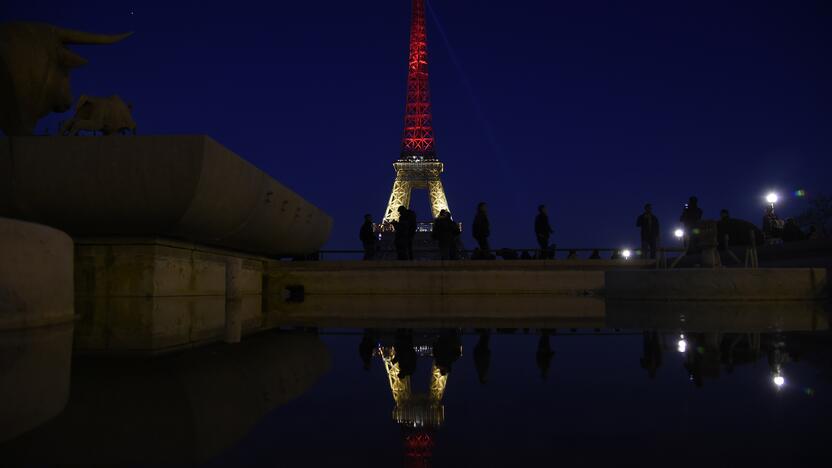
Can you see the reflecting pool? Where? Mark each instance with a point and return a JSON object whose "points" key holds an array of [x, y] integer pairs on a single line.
{"points": [[623, 385]]}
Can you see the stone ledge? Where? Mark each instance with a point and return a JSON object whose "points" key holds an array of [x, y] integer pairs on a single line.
{"points": [[723, 284]]}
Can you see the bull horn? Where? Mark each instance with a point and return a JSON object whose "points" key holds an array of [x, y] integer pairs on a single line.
{"points": [[69, 36]]}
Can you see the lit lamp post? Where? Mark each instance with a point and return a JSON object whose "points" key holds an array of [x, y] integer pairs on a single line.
{"points": [[679, 233], [772, 198], [626, 253]]}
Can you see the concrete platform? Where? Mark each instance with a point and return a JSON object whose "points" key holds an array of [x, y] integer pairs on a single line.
{"points": [[487, 277], [184, 186], [722, 284]]}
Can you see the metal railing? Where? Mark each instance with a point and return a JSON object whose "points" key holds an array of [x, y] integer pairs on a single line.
{"points": [[534, 253]]}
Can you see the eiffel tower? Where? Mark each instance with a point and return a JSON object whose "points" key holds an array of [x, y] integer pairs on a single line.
{"points": [[417, 166]]}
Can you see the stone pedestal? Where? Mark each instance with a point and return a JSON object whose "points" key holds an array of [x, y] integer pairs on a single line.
{"points": [[35, 324], [149, 296]]}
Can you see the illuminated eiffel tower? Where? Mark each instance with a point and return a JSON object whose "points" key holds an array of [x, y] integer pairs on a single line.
{"points": [[417, 166], [418, 414]]}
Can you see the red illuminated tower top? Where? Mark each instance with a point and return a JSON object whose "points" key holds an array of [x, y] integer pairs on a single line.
{"points": [[417, 140]]}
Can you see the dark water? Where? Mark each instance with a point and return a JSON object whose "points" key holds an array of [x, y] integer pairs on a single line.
{"points": [[531, 397]]}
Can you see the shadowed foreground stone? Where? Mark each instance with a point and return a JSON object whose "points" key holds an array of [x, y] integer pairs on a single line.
{"points": [[36, 313], [186, 187], [182, 409]]}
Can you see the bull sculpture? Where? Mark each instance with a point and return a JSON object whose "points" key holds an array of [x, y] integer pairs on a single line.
{"points": [[107, 115], [34, 72]]}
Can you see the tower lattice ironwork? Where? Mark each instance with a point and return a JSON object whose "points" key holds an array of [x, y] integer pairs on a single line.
{"points": [[417, 166]]}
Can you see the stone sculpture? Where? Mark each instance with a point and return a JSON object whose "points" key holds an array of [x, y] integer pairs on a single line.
{"points": [[34, 71], [107, 115]]}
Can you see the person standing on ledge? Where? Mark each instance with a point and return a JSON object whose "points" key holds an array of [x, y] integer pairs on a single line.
{"points": [[481, 228], [368, 237], [649, 224], [412, 225], [542, 230], [445, 231], [691, 214], [402, 236]]}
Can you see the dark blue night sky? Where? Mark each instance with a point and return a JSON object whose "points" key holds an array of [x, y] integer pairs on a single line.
{"points": [[590, 107]]}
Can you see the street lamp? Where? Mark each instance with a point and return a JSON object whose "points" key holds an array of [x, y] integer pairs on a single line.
{"points": [[679, 233], [778, 381], [772, 198], [626, 253]]}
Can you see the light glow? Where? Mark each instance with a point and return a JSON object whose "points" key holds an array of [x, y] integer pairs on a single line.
{"points": [[679, 233], [626, 253], [682, 346], [779, 380], [772, 198]]}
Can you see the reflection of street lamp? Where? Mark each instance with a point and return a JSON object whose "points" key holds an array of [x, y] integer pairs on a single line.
{"points": [[682, 345]]}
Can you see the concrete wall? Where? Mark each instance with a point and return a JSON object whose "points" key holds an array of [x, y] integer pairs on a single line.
{"points": [[36, 314], [717, 284], [154, 295], [187, 187], [437, 278]]}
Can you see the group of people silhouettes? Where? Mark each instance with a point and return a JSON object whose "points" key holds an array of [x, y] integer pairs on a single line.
{"points": [[446, 232]]}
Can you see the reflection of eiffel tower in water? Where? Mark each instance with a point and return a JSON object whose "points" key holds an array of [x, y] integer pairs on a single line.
{"points": [[417, 166], [418, 414]]}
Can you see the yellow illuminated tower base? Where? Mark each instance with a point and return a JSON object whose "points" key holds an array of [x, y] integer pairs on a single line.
{"points": [[416, 174]]}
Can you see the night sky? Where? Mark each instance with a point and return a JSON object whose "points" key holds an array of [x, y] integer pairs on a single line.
{"points": [[593, 108]]}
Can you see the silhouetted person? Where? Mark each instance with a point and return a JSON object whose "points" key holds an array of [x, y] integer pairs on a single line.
{"points": [[445, 231], [772, 225], [412, 224], [542, 230], [366, 347], [481, 229], [405, 354], [368, 237], [573, 255], [649, 224], [691, 214], [792, 232], [595, 255], [652, 354], [544, 355], [446, 350], [482, 356], [403, 238]]}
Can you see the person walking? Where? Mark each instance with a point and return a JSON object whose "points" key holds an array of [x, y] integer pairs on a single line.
{"points": [[481, 228], [368, 237], [402, 238], [649, 224], [543, 230]]}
